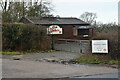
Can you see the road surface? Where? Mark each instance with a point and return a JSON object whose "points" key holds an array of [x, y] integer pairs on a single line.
{"points": [[34, 69]]}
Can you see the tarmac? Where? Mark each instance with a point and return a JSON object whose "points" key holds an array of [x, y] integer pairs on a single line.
{"points": [[35, 69]]}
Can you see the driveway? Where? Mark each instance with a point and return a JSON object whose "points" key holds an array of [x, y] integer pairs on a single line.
{"points": [[57, 54], [35, 69]]}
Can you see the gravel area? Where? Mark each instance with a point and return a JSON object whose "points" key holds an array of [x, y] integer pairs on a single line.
{"points": [[57, 55]]}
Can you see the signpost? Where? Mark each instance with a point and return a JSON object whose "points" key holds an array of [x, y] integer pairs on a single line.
{"points": [[99, 46], [54, 29]]}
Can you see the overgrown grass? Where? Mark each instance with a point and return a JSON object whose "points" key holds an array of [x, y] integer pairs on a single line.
{"points": [[11, 53], [114, 62], [26, 52], [96, 59], [93, 61]]}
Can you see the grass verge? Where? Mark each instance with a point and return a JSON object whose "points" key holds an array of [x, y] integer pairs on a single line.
{"points": [[26, 52], [11, 53], [113, 62], [96, 59], [93, 61]]}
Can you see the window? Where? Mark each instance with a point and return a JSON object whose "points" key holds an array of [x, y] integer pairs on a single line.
{"points": [[83, 32]]}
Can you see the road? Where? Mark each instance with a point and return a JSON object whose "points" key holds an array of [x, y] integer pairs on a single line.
{"points": [[110, 76], [34, 69]]}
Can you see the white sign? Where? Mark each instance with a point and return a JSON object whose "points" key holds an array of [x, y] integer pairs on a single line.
{"points": [[54, 29], [99, 46]]}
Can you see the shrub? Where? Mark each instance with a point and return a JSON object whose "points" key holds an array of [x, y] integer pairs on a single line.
{"points": [[25, 37], [111, 35]]}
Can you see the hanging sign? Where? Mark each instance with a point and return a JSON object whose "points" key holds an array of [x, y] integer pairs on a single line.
{"points": [[54, 29], [99, 46]]}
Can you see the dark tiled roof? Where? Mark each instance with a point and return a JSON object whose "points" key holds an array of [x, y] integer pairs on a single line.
{"points": [[55, 20]]}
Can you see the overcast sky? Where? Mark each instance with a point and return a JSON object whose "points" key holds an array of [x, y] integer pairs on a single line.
{"points": [[106, 10]]}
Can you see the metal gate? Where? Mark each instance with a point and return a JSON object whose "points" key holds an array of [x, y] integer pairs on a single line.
{"points": [[77, 46]]}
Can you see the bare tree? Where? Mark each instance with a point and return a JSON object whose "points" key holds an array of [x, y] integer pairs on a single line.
{"points": [[13, 11], [3, 5], [40, 8], [89, 17]]}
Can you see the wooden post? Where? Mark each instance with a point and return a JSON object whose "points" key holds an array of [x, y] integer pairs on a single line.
{"points": [[52, 42]]}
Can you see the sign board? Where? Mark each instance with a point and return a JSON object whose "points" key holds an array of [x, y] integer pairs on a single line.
{"points": [[99, 46], [54, 29]]}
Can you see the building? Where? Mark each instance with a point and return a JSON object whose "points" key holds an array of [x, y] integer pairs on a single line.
{"points": [[72, 28]]}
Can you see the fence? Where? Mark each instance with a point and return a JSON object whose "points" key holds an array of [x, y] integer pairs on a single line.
{"points": [[70, 45]]}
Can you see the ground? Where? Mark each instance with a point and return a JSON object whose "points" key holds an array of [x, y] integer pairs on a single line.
{"points": [[57, 54], [29, 66]]}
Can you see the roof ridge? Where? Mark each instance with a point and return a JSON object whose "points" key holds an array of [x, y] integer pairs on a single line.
{"points": [[55, 20], [53, 17]]}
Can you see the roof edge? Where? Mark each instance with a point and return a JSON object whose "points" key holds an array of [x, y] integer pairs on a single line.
{"points": [[28, 20]]}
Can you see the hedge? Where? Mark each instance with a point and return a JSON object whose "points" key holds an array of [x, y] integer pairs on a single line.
{"points": [[24, 37]]}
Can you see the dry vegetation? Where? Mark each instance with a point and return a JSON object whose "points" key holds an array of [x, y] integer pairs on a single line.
{"points": [[112, 36], [105, 32]]}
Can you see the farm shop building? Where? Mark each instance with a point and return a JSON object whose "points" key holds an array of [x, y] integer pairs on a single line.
{"points": [[72, 28]]}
